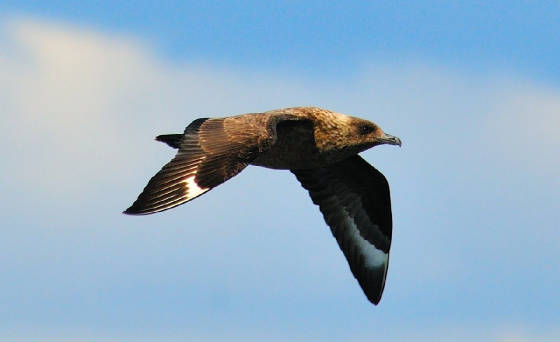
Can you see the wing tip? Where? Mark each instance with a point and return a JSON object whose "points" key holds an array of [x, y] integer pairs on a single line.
{"points": [[131, 212], [135, 210], [374, 299], [373, 286]]}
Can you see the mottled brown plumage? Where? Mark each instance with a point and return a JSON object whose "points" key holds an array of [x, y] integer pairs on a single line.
{"points": [[319, 146]]}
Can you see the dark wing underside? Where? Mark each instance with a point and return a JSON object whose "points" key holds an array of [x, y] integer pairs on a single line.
{"points": [[208, 156], [354, 199]]}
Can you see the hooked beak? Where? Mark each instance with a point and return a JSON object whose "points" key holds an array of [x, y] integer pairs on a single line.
{"points": [[389, 139]]}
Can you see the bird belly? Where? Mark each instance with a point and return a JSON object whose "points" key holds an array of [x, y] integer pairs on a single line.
{"points": [[299, 155], [289, 160], [296, 148]]}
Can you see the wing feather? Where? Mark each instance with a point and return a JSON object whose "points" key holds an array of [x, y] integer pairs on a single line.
{"points": [[355, 202], [207, 157]]}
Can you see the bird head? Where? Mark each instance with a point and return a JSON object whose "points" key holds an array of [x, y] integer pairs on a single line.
{"points": [[342, 132], [368, 133]]}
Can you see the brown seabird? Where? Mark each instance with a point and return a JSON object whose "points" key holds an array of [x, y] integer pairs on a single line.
{"points": [[317, 145]]}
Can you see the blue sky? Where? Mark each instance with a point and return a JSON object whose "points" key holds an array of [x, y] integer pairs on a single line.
{"points": [[472, 90], [331, 39]]}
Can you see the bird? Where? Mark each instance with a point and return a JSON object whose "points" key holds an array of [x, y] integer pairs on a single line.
{"points": [[320, 147]]}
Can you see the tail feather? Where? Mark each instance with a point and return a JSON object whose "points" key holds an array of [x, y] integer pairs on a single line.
{"points": [[173, 140]]}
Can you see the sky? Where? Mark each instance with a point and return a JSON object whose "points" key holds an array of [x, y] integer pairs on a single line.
{"points": [[472, 89]]}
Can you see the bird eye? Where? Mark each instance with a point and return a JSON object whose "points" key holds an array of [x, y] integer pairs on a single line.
{"points": [[366, 129]]}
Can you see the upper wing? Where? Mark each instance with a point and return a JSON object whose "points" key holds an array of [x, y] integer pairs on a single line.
{"points": [[354, 199], [211, 151]]}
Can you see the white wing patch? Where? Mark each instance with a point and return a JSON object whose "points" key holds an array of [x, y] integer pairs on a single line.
{"points": [[374, 258], [193, 190]]}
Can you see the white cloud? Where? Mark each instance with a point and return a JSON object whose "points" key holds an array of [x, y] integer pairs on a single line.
{"points": [[64, 94], [522, 129]]}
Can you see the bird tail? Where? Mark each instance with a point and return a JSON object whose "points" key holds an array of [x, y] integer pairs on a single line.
{"points": [[173, 140]]}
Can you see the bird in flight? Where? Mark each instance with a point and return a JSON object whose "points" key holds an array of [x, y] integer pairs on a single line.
{"points": [[319, 147]]}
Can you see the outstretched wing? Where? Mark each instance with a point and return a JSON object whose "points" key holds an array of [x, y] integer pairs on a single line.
{"points": [[211, 151], [354, 199]]}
